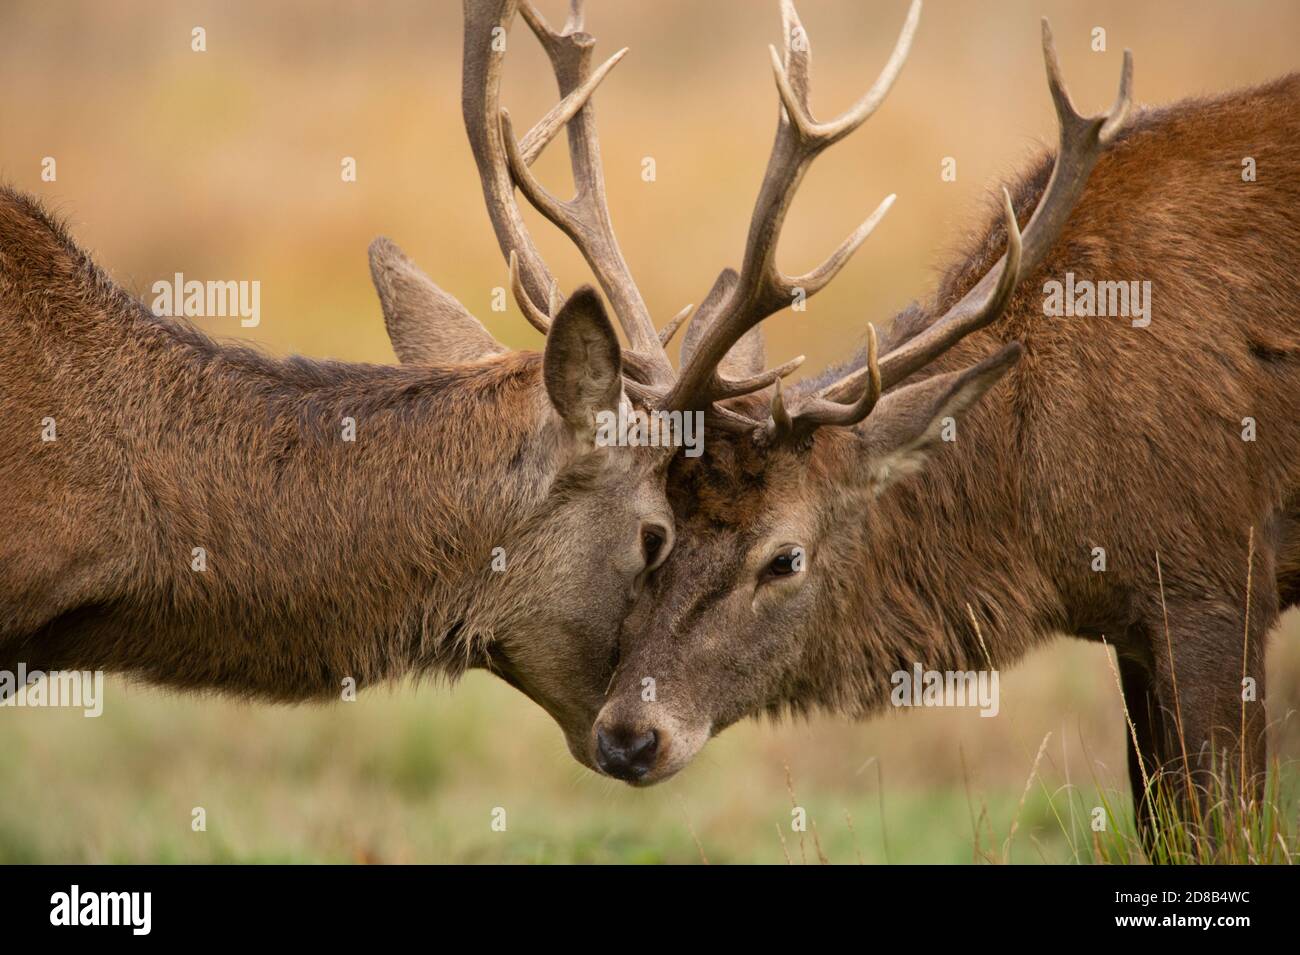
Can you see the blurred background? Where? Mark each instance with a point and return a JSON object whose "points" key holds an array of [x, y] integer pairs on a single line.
{"points": [[225, 164]]}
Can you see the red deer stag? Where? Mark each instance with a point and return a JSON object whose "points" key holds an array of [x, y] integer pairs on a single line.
{"points": [[832, 536], [195, 514]]}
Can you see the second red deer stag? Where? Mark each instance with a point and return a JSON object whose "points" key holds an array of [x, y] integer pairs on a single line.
{"points": [[1122, 481]]}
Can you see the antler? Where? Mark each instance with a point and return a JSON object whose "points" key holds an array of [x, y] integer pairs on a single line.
{"points": [[815, 411], [740, 302], [1082, 141], [486, 28], [503, 163]]}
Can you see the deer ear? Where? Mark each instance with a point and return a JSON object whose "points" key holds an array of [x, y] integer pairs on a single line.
{"points": [[425, 324], [583, 365], [907, 425], [747, 357]]}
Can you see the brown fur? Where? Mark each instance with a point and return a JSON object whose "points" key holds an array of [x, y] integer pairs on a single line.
{"points": [[1104, 435], [325, 559]]}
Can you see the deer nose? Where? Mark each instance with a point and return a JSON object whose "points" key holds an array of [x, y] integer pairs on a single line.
{"points": [[625, 754]]}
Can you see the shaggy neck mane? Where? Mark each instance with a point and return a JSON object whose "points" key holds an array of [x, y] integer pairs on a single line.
{"points": [[947, 576]]}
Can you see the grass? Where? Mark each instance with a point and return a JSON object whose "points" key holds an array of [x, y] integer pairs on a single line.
{"points": [[414, 775], [1222, 829]]}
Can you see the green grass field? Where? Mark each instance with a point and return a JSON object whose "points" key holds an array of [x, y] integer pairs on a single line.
{"points": [[414, 774]]}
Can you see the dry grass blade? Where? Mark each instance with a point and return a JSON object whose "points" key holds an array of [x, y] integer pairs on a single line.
{"points": [[1015, 822]]}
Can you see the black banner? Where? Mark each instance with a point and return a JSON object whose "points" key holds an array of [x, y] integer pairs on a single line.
{"points": [[306, 903]]}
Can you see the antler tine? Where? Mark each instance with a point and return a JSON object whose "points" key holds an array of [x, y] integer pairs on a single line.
{"points": [[781, 421], [577, 16], [793, 81], [820, 277], [734, 388], [487, 24], [965, 317], [531, 312], [762, 288], [724, 419], [1082, 141], [668, 331], [546, 128], [585, 218], [815, 412]]}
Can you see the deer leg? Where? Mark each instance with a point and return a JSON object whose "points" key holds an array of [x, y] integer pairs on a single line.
{"points": [[1148, 744], [1209, 681]]}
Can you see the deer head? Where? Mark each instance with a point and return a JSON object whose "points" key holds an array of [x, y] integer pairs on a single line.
{"points": [[775, 521], [606, 524]]}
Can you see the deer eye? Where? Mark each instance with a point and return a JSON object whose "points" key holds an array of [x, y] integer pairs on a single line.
{"points": [[790, 560], [652, 544]]}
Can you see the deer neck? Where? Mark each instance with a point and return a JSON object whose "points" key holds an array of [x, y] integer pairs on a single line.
{"points": [[945, 577], [296, 525]]}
